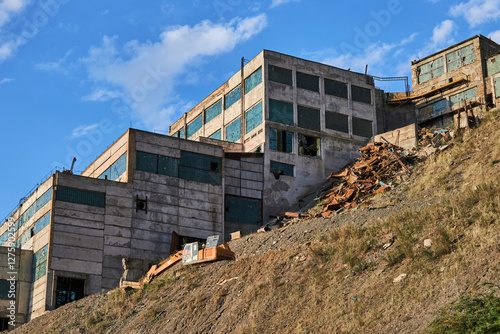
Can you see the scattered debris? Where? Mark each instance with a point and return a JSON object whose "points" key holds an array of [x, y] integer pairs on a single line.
{"points": [[227, 280], [399, 278], [427, 243], [372, 173], [235, 235]]}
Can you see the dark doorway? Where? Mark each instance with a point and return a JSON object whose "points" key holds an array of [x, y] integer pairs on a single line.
{"points": [[4, 324], [178, 241], [68, 290]]}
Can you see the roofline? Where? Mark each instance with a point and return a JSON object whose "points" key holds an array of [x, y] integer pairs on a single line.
{"points": [[453, 46]]}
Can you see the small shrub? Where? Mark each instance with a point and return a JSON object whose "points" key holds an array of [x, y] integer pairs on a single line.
{"points": [[471, 314]]}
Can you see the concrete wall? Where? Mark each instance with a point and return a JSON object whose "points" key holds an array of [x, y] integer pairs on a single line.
{"points": [[475, 74], [243, 178], [337, 148], [406, 137], [16, 262], [107, 158]]}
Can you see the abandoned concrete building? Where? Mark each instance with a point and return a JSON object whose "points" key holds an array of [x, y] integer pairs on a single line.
{"points": [[464, 74], [308, 119], [247, 151]]}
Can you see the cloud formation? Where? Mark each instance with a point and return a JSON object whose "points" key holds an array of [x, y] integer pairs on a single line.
{"points": [[495, 36], [277, 3], [9, 8], [477, 12], [101, 95], [5, 80], [82, 130], [145, 72]]}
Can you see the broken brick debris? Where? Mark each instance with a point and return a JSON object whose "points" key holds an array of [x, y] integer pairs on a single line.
{"points": [[370, 174]]}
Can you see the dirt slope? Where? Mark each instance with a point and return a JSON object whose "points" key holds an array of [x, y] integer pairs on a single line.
{"points": [[335, 274]]}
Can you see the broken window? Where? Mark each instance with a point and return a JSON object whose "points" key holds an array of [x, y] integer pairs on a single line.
{"points": [[461, 57], [233, 130], [253, 80], [308, 118], [116, 169], [430, 70], [493, 65], [194, 126], [213, 111], [280, 168], [337, 122], [233, 97], [460, 98], [281, 75], [39, 263], [307, 81], [362, 127], [335, 88], [310, 146], [68, 290], [281, 112], [361, 94], [281, 141], [253, 117], [4, 324]]}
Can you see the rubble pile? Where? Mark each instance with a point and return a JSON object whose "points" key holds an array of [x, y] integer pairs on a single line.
{"points": [[434, 141], [373, 173]]}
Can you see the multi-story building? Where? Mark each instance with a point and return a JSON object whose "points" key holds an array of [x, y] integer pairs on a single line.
{"points": [[445, 81], [141, 199], [307, 118]]}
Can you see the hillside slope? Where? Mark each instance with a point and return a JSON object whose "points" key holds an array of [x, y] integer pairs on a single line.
{"points": [[366, 271]]}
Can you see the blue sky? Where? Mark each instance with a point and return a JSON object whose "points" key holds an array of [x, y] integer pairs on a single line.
{"points": [[74, 75]]}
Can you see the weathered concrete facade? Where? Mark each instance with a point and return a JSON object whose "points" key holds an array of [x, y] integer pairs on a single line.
{"points": [[307, 118], [445, 80], [138, 200]]}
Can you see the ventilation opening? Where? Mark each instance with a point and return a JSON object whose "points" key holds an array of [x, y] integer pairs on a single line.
{"points": [[141, 204], [214, 166], [68, 290]]}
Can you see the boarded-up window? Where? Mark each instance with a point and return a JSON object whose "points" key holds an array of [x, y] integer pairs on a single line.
{"points": [[282, 168], [497, 87], [281, 141], [335, 88], [168, 166], [80, 196], [253, 80], [281, 112], [194, 126], [40, 263], [147, 162], [216, 135], [461, 57], [362, 127], [281, 75], [461, 97], [308, 118], [307, 81], [116, 169], [242, 210], [310, 146], [493, 65], [200, 168], [233, 130], [336, 121], [361, 94], [213, 111], [253, 117], [430, 70], [232, 97]]}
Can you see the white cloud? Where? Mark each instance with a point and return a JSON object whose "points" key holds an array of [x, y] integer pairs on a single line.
{"points": [[374, 55], [495, 36], [146, 71], [476, 12], [101, 95], [5, 80], [442, 35], [82, 130], [58, 66], [9, 8], [277, 3]]}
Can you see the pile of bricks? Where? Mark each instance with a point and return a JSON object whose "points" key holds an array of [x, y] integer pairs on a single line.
{"points": [[372, 173]]}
